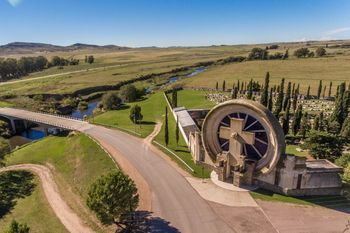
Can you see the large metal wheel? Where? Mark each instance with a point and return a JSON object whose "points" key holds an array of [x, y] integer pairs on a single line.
{"points": [[269, 142]]}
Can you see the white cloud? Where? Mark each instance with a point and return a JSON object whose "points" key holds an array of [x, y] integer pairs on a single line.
{"points": [[14, 3], [337, 31]]}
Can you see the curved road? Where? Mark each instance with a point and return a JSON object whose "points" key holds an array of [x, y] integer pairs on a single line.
{"points": [[173, 198], [65, 214]]}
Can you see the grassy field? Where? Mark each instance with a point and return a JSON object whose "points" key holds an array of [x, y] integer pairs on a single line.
{"points": [[193, 99], [77, 162], [291, 149], [36, 212]]}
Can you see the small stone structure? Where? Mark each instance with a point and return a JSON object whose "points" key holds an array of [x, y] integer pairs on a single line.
{"points": [[244, 144]]}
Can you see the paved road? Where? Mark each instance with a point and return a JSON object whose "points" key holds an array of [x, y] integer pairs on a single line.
{"points": [[64, 213], [172, 197]]}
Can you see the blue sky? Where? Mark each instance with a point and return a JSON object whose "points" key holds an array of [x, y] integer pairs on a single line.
{"points": [[172, 22]]}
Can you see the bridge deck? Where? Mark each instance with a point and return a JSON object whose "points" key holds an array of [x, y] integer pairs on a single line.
{"points": [[44, 118]]}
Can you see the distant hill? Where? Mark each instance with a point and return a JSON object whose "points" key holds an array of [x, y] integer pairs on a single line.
{"points": [[27, 48]]}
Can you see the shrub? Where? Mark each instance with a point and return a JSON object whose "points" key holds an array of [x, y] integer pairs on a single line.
{"points": [[111, 101]]}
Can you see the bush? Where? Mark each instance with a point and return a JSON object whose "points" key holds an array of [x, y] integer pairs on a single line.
{"points": [[320, 51], [128, 93], [135, 114], [16, 227], [111, 101], [258, 54], [302, 52]]}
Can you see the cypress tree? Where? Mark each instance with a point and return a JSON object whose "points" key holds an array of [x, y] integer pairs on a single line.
{"points": [[319, 90], [238, 86], [316, 125], [321, 122], [339, 113], [177, 132], [287, 97], [174, 98], [224, 85], [297, 119], [293, 89], [234, 93], [265, 94], [279, 101], [242, 88], [330, 89], [345, 131], [166, 128], [324, 91], [305, 125], [285, 120], [308, 92], [250, 90], [270, 102], [217, 86]]}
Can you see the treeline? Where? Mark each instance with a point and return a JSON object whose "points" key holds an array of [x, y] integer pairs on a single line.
{"points": [[11, 68]]}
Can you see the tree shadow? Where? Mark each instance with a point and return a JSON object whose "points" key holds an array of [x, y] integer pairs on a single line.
{"points": [[148, 123], [123, 107], [14, 185], [145, 222]]}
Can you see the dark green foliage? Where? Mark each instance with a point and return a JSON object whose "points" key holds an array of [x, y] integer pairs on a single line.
{"points": [[128, 93], [304, 125], [113, 198], [297, 119], [58, 61], [287, 97], [234, 93], [135, 114], [265, 93], [302, 52], [319, 90], [14, 185], [177, 132], [238, 86], [16, 227], [320, 52], [330, 89], [4, 129], [90, 59], [224, 85], [316, 125], [166, 128], [345, 131], [258, 54], [250, 90], [279, 101], [340, 111], [111, 101], [308, 92], [4, 149], [324, 145], [217, 86], [285, 120], [174, 98], [270, 101]]}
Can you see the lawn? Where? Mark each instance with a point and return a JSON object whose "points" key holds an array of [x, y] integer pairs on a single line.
{"points": [[192, 99], [77, 162], [36, 212], [291, 149]]}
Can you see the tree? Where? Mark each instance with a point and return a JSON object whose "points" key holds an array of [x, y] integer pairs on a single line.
{"points": [[234, 93], [339, 113], [279, 101], [90, 59], [217, 86], [128, 93], [302, 52], [324, 145], [174, 98], [111, 101], [113, 198], [250, 90], [285, 120], [16, 227], [224, 85], [345, 131], [319, 90], [4, 129], [316, 125], [258, 54], [4, 149], [270, 102], [320, 52], [238, 86], [177, 131], [330, 89], [308, 92], [287, 97], [286, 55], [135, 114], [265, 94], [166, 128], [297, 119], [305, 125]]}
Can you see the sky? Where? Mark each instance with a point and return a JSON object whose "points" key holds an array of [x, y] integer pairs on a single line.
{"points": [[139, 23]]}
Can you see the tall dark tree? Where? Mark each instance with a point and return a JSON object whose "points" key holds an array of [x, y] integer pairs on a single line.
{"points": [[287, 97], [285, 120], [279, 101], [166, 128], [293, 89], [308, 92], [217, 86], [316, 125], [224, 85], [270, 102], [135, 114], [339, 112], [250, 90], [174, 98], [330, 89], [238, 86], [265, 93], [324, 92], [297, 119], [304, 125], [234, 93], [177, 131], [345, 131], [319, 90]]}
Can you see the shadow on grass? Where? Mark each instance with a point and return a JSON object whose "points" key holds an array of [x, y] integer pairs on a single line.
{"points": [[335, 202], [14, 185], [145, 222], [148, 123]]}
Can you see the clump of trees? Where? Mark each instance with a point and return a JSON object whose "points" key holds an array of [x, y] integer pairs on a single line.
{"points": [[303, 52], [111, 101], [89, 59], [135, 114], [16, 227], [320, 52], [114, 199]]}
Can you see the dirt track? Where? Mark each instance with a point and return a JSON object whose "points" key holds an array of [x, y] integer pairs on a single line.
{"points": [[65, 214]]}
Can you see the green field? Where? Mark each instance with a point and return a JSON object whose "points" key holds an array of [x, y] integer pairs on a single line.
{"points": [[193, 99], [291, 149], [77, 162]]}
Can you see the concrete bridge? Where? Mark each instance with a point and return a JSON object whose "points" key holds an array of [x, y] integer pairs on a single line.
{"points": [[19, 118]]}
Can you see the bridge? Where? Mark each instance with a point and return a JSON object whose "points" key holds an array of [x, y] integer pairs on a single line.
{"points": [[46, 120]]}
